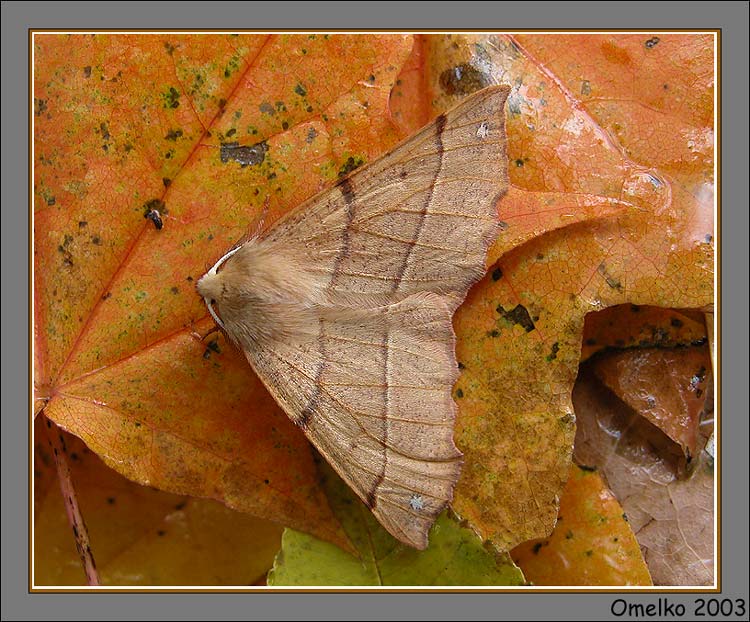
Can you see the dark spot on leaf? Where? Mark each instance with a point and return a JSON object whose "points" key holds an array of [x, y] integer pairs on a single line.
{"points": [[222, 102], [169, 47], [651, 43], [137, 424], [553, 352], [51, 201], [211, 346], [171, 98], [155, 217], [585, 87], [503, 226], [96, 240], [497, 274], [174, 290], [271, 176], [519, 162], [166, 181], [87, 71], [267, 108], [104, 130], [160, 532], [40, 105], [74, 456], [265, 481], [463, 79], [173, 135], [190, 278], [568, 535], [493, 333], [180, 506], [111, 500], [518, 315], [312, 133], [591, 341], [589, 553], [535, 549], [107, 295], [284, 125], [676, 322], [459, 393], [300, 90], [153, 210], [585, 467], [625, 517], [350, 164], [461, 365], [82, 224], [309, 109], [246, 156], [231, 132]]}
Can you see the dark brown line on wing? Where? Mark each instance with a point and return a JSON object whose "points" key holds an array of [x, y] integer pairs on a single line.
{"points": [[372, 496], [439, 127], [312, 404], [347, 191]]}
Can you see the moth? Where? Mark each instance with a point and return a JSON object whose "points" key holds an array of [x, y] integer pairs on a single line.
{"points": [[343, 309]]}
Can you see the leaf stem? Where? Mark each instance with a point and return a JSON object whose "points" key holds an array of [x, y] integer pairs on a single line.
{"points": [[56, 442]]}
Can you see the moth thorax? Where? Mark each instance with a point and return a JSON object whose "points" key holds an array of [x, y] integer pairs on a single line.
{"points": [[210, 286]]}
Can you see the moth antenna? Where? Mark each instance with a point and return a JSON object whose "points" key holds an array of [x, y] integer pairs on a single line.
{"points": [[213, 314]]}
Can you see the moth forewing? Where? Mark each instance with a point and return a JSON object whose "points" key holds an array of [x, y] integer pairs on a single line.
{"points": [[343, 308]]}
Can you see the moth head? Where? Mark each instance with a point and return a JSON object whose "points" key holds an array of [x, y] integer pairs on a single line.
{"points": [[211, 286]]}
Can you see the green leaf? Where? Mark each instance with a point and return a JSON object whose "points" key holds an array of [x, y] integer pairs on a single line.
{"points": [[455, 556]]}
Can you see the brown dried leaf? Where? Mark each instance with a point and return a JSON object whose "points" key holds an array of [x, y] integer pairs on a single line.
{"points": [[667, 386], [670, 511]]}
